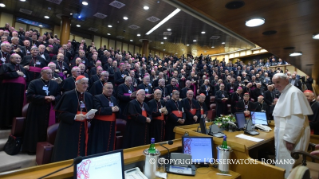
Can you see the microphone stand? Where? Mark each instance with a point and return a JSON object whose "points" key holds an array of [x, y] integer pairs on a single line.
{"points": [[168, 155]]}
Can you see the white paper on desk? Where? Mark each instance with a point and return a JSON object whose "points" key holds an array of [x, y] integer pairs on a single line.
{"points": [[243, 136], [92, 111]]}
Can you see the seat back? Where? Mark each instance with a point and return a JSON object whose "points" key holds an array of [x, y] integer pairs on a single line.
{"points": [[24, 110], [18, 126], [120, 126], [51, 133]]}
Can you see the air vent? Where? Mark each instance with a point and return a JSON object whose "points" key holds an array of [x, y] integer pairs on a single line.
{"points": [[26, 11], [93, 29], [100, 15], [55, 1], [117, 4], [134, 27], [214, 37], [153, 19], [167, 33]]}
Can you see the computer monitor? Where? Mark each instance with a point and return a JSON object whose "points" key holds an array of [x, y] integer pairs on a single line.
{"points": [[103, 165], [259, 118], [200, 148], [240, 119], [202, 124]]}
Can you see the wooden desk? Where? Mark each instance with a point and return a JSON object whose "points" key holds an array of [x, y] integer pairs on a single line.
{"points": [[241, 149], [205, 173], [131, 155]]}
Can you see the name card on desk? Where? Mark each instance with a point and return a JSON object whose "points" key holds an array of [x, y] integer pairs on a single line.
{"points": [[243, 136]]}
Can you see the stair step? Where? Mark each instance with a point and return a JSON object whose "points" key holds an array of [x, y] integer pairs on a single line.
{"points": [[13, 162], [2, 143], [4, 134]]}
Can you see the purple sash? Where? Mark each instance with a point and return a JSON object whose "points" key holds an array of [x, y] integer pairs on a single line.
{"points": [[194, 87], [51, 116], [19, 80], [127, 94], [62, 75], [35, 69], [252, 88], [231, 91]]}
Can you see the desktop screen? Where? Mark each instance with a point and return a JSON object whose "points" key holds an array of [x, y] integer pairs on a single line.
{"points": [[259, 118], [105, 165], [200, 148], [241, 120]]}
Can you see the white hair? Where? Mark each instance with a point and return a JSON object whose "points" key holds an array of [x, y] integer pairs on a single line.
{"points": [[105, 73], [280, 75], [139, 91], [80, 80]]}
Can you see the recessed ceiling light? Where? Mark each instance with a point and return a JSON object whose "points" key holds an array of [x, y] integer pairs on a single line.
{"points": [[162, 42], [295, 54], [316, 36], [187, 45], [110, 26], [131, 40], [85, 3], [71, 14], [2, 5], [40, 25], [194, 40], [223, 42], [203, 32], [78, 25], [163, 49], [125, 18], [108, 34], [169, 29], [255, 22], [47, 17], [213, 47], [22, 0], [165, 38], [138, 35], [146, 8]]}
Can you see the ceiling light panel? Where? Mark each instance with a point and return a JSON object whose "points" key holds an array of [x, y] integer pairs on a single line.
{"points": [[100, 15], [117, 4]]}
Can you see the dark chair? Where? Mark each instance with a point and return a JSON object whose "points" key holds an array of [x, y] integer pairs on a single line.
{"points": [[213, 111], [45, 149], [18, 122], [120, 131], [212, 99]]}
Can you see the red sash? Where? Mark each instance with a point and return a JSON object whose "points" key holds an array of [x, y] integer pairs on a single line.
{"points": [[110, 118], [161, 117], [35, 69], [86, 133], [144, 113], [193, 111], [178, 114], [201, 111]]}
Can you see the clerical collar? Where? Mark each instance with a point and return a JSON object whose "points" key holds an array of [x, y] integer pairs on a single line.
{"points": [[45, 81], [79, 92]]}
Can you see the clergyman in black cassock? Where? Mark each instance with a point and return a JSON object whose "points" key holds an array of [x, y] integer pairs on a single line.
{"points": [[146, 85], [69, 83], [42, 94], [33, 64], [313, 119], [138, 123], [12, 91], [175, 115], [245, 105], [72, 135], [157, 128], [97, 86], [221, 98], [124, 94], [191, 108], [202, 105], [103, 126]]}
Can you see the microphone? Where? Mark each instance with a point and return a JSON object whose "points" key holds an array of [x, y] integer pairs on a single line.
{"points": [[76, 161], [169, 142]]}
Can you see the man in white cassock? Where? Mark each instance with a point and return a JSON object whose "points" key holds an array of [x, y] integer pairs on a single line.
{"points": [[292, 131]]}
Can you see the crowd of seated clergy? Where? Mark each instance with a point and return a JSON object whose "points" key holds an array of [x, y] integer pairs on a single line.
{"points": [[63, 82]]}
